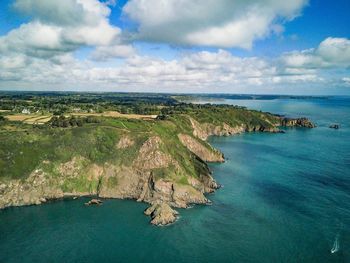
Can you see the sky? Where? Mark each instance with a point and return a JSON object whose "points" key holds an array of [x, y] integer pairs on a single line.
{"points": [[183, 46]]}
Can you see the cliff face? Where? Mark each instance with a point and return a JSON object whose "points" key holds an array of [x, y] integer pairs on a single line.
{"points": [[204, 130], [202, 149], [79, 177], [36, 189], [164, 166]]}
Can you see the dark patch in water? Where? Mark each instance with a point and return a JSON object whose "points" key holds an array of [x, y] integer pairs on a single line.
{"points": [[328, 180], [231, 211], [278, 195]]}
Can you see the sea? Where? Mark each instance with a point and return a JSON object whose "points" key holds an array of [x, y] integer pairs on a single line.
{"points": [[284, 198]]}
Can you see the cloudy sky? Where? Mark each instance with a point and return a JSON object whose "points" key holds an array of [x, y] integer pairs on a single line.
{"points": [[231, 46]]}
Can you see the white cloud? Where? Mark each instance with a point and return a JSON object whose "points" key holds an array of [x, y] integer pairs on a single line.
{"points": [[197, 71], [116, 51], [40, 52], [332, 52], [346, 81], [220, 23], [60, 26]]}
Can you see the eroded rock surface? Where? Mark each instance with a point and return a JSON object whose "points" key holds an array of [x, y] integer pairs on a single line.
{"points": [[297, 122], [155, 174], [125, 142], [162, 214], [203, 151], [204, 130], [36, 189]]}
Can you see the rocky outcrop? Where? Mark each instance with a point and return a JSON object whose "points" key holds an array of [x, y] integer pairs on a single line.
{"points": [[151, 156], [176, 194], [334, 126], [205, 152], [125, 142], [262, 128], [162, 214], [120, 182], [36, 189], [94, 201], [297, 122], [203, 131]]}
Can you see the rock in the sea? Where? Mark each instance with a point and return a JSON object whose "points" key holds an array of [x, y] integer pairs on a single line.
{"points": [[334, 126], [94, 202], [162, 214]]}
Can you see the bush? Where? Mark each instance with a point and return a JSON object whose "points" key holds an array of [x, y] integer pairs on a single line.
{"points": [[72, 121]]}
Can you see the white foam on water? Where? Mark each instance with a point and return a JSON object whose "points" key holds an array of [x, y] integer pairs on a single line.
{"points": [[335, 247]]}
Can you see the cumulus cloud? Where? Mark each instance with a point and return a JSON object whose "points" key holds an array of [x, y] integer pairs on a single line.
{"points": [[41, 51], [197, 71], [60, 26], [332, 52], [219, 23]]}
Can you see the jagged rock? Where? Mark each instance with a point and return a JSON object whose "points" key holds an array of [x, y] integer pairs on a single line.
{"points": [[125, 142], [184, 195], [94, 202], [121, 182], [34, 190], [261, 128], [334, 126], [298, 122], [151, 157], [206, 153], [162, 214], [204, 130]]}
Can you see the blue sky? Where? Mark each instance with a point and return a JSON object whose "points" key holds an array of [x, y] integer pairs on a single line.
{"points": [[232, 46]]}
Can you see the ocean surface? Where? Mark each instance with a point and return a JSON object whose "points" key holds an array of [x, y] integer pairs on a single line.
{"points": [[285, 198]]}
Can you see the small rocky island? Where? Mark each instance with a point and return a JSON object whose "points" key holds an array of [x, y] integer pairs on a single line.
{"points": [[160, 159]]}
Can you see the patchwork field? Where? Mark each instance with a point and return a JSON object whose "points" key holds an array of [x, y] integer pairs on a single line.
{"points": [[42, 119], [116, 114], [29, 118]]}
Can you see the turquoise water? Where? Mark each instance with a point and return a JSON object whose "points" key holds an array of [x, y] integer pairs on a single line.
{"points": [[285, 198]]}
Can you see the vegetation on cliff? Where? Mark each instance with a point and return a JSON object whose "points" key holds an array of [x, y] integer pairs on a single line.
{"points": [[160, 160]]}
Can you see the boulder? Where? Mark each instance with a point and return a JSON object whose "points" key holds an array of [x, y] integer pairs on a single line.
{"points": [[162, 214], [94, 202]]}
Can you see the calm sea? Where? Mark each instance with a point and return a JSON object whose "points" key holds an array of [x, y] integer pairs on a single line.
{"points": [[285, 198]]}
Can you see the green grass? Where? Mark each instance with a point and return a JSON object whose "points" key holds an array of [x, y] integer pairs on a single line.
{"points": [[80, 184], [112, 182], [23, 148]]}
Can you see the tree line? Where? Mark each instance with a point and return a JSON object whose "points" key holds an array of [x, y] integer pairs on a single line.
{"points": [[72, 121]]}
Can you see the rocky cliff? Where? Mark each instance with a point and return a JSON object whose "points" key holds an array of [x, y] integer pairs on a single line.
{"points": [[297, 122], [137, 181], [202, 149], [162, 163]]}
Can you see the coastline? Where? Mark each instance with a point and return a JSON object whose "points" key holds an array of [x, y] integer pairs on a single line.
{"points": [[140, 183]]}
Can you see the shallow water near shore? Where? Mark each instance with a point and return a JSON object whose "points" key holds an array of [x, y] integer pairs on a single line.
{"points": [[285, 198]]}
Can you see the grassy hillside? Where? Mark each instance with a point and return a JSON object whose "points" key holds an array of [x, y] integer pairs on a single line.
{"points": [[77, 152]]}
